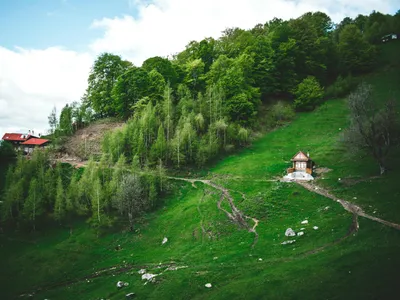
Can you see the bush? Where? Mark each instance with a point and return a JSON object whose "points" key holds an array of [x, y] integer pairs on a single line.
{"points": [[282, 112], [341, 87], [308, 94]]}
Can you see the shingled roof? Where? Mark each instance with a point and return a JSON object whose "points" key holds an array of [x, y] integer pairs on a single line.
{"points": [[300, 156]]}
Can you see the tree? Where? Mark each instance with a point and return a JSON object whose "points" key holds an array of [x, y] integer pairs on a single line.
{"points": [[59, 205], [130, 200], [6, 150], [373, 129], [53, 120], [356, 54], [308, 94], [162, 66], [102, 78], [65, 125], [33, 204], [130, 87]]}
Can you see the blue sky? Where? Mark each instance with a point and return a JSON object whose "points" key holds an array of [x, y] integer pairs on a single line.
{"points": [[47, 47], [45, 23]]}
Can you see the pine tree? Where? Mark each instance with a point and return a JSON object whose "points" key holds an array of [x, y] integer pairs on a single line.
{"points": [[33, 206], [60, 205]]}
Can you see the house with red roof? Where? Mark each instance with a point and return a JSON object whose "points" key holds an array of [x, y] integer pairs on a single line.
{"points": [[26, 142], [32, 143]]}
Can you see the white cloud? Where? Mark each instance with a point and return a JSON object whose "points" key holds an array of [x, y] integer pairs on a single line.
{"points": [[33, 81]]}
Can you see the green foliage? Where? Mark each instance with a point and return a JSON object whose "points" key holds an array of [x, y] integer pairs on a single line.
{"points": [[341, 87], [356, 54], [65, 125], [308, 94], [6, 150], [282, 112], [130, 87], [103, 76]]}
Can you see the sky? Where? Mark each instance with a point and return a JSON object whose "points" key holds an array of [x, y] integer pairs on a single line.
{"points": [[47, 47]]}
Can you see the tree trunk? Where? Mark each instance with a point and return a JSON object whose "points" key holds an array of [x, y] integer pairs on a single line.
{"points": [[382, 168]]}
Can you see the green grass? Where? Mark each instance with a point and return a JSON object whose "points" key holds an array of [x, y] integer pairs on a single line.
{"points": [[362, 266]]}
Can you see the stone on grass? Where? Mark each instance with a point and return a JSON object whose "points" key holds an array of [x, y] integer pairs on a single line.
{"points": [[290, 232], [130, 295], [300, 233], [304, 222], [142, 271], [149, 277], [315, 227], [288, 242], [208, 285], [164, 241]]}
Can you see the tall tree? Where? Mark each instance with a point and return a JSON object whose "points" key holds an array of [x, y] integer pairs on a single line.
{"points": [[373, 129], [103, 76]]}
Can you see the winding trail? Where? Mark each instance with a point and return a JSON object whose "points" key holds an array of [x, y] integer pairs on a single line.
{"points": [[348, 206], [235, 215]]}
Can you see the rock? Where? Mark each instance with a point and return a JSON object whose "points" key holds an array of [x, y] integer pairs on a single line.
{"points": [[290, 232], [148, 277], [142, 271], [316, 227], [208, 285], [130, 295], [260, 259], [215, 257], [302, 229], [288, 242], [304, 222], [164, 241], [300, 233]]}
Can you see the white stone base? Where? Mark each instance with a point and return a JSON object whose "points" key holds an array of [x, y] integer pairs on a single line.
{"points": [[298, 176]]}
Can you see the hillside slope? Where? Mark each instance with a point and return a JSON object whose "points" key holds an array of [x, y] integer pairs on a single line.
{"points": [[245, 259], [86, 142]]}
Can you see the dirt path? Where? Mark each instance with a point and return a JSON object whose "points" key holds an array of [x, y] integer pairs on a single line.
{"points": [[235, 215], [350, 207]]}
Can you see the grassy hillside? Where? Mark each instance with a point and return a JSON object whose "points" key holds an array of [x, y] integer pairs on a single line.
{"points": [[331, 262]]}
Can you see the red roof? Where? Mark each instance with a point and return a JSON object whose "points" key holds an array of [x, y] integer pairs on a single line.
{"points": [[35, 141], [17, 137]]}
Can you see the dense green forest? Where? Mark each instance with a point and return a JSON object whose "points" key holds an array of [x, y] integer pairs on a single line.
{"points": [[206, 101]]}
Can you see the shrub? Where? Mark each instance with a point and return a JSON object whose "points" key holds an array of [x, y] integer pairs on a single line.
{"points": [[341, 87], [308, 94], [281, 112]]}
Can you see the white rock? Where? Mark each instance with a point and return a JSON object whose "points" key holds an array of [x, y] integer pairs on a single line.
{"points": [[354, 198], [260, 259], [339, 179], [148, 276], [288, 242], [316, 227], [304, 222], [290, 232], [215, 257], [302, 229], [326, 208], [142, 271], [164, 241], [300, 233], [208, 285]]}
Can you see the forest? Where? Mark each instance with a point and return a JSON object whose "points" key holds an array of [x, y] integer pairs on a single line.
{"points": [[180, 113]]}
